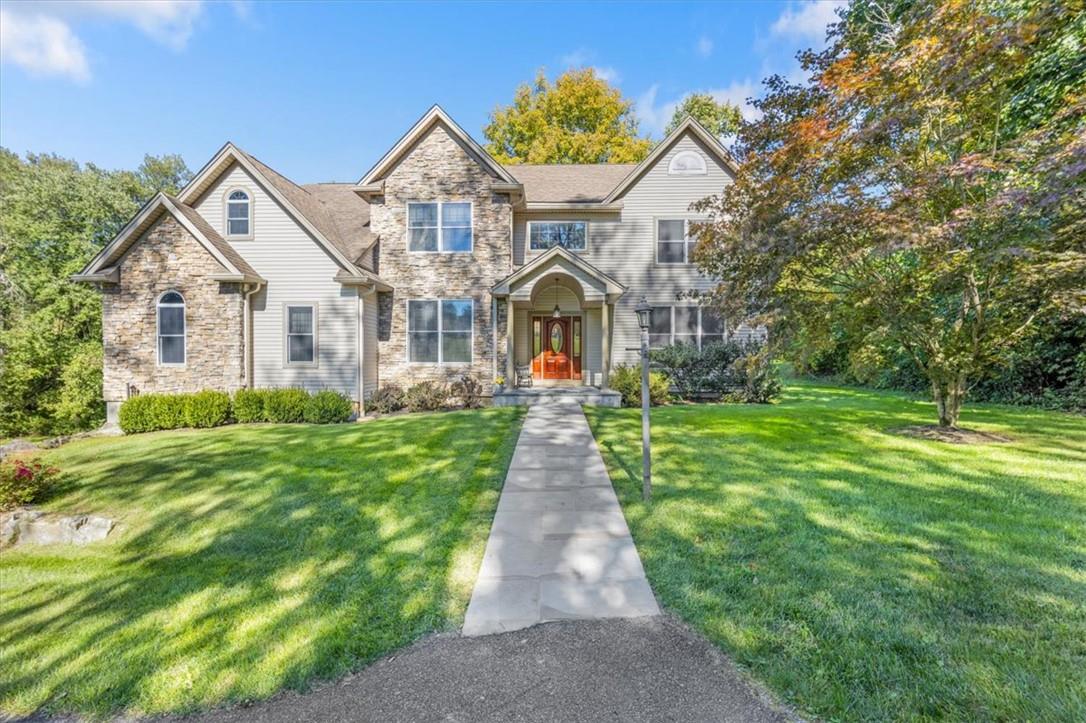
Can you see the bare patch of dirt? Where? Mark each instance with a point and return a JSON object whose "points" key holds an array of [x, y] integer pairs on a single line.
{"points": [[951, 435]]}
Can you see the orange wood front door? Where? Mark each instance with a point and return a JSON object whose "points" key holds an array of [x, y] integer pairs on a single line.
{"points": [[556, 347]]}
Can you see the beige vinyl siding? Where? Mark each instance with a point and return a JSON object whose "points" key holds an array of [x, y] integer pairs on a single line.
{"points": [[623, 245], [370, 375], [298, 271]]}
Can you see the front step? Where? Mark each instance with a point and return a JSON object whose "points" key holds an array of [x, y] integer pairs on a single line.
{"points": [[557, 395]]}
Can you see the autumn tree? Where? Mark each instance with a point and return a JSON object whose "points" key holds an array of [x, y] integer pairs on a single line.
{"points": [[925, 190], [721, 118], [579, 118]]}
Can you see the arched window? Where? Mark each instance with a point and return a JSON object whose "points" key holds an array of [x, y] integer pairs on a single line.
{"points": [[171, 329], [239, 214], [687, 163]]}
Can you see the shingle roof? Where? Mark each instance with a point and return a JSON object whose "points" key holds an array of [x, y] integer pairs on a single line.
{"points": [[213, 236], [338, 215], [569, 182]]}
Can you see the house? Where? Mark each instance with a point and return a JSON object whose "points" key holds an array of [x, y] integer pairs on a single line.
{"points": [[439, 262]]}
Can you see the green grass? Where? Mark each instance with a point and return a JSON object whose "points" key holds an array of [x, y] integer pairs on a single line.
{"points": [[248, 559], [864, 575]]}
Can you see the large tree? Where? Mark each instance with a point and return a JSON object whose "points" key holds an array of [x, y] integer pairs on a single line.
{"points": [[721, 118], [54, 216], [579, 118], [925, 190]]}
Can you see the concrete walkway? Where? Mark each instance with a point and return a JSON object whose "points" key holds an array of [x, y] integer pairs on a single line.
{"points": [[559, 548]]}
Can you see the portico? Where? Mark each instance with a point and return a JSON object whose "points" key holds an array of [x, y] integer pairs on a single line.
{"points": [[559, 321]]}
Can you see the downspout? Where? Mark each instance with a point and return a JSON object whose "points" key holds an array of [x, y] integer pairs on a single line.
{"points": [[247, 332], [372, 291]]}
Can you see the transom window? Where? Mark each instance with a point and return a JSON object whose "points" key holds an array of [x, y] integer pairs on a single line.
{"points": [[239, 210], [570, 235], [439, 331], [439, 227], [687, 163], [171, 329], [673, 242], [695, 325], [301, 335]]}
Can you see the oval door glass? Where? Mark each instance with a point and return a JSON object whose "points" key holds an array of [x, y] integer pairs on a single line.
{"points": [[556, 338]]}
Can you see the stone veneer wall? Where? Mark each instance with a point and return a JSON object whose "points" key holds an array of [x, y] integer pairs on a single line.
{"points": [[439, 169], [168, 257]]}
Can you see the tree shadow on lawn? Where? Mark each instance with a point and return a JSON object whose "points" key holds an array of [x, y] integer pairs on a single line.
{"points": [[251, 559], [866, 576]]}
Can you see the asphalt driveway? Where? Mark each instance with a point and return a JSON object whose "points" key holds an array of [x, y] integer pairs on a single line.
{"points": [[639, 669]]}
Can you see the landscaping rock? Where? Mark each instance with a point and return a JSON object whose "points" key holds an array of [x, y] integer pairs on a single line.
{"points": [[15, 446], [32, 527]]}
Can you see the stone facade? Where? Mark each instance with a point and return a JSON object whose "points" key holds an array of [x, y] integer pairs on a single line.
{"points": [[169, 258], [438, 168]]}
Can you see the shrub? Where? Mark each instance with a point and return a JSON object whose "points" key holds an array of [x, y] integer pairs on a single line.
{"points": [[388, 398], [168, 411], [136, 414], [285, 406], [249, 405], [469, 391], [761, 379], [626, 380], [22, 482], [207, 409], [741, 371], [328, 407], [425, 397]]}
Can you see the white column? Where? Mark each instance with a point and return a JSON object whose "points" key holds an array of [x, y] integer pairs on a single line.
{"points": [[510, 371], [605, 339]]}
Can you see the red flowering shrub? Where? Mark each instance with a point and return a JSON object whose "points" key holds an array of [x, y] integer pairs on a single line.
{"points": [[21, 481]]}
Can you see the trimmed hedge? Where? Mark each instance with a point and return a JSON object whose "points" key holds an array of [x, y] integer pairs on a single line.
{"points": [[210, 408], [207, 409], [426, 397], [249, 405], [328, 407], [388, 398], [285, 406]]}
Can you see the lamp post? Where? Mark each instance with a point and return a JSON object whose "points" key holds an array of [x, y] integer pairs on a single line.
{"points": [[644, 311]]}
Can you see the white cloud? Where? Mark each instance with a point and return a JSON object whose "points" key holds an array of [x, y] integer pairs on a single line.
{"points": [[704, 47], [42, 45], [575, 58], [607, 74], [806, 20], [655, 114], [39, 36]]}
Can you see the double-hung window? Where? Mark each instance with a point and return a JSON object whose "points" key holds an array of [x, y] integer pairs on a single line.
{"points": [[171, 329], [673, 242], [439, 331], [239, 214], [439, 227], [570, 235], [301, 323], [694, 325]]}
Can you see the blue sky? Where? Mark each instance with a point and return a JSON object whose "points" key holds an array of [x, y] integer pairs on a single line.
{"points": [[320, 90]]}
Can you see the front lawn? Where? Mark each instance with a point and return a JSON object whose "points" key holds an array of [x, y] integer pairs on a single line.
{"points": [[248, 559], [864, 575]]}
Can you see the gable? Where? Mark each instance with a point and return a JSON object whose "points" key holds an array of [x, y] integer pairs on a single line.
{"points": [[663, 182], [435, 117]]}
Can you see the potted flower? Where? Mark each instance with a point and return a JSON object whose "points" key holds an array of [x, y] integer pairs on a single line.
{"points": [[499, 383]]}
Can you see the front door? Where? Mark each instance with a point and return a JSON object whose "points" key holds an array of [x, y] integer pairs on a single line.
{"points": [[557, 347]]}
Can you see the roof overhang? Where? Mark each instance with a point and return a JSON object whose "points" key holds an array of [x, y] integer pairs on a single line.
{"points": [[598, 286], [230, 154], [432, 117], [366, 278], [575, 206], [103, 268], [689, 125]]}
